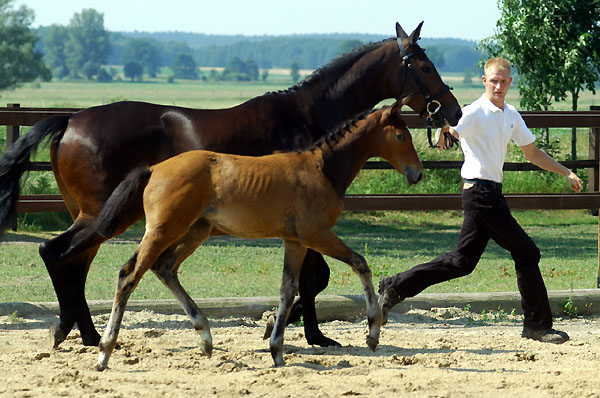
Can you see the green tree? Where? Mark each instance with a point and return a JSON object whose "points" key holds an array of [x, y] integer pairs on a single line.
{"points": [[20, 62], [104, 76], [144, 51], [237, 69], [184, 67], [54, 48], [295, 71], [88, 43], [436, 55], [555, 46], [133, 69]]}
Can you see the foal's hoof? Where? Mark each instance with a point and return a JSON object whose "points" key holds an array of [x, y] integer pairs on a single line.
{"points": [[207, 349], [372, 342], [100, 367], [56, 336]]}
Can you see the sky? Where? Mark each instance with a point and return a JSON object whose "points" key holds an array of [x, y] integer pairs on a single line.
{"points": [[463, 19]]}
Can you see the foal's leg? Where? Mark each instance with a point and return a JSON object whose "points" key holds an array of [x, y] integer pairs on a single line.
{"points": [[153, 244], [166, 269], [329, 244], [292, 264]]}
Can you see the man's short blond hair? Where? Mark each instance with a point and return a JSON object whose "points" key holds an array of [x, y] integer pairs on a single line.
{"points": [[497, 63]]}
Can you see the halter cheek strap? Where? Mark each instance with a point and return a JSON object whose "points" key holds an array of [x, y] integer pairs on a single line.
{"points": [[432, 105]]}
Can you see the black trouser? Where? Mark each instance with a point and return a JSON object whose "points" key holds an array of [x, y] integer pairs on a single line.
{"points": [[486, 216]]}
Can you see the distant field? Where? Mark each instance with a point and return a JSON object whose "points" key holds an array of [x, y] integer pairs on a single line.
{"points": [[199, 94]]}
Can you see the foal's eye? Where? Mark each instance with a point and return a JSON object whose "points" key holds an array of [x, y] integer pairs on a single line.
{"points": [[400, 137]]}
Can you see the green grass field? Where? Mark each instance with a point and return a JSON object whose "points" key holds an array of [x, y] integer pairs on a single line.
{"points": [[391, 241]]}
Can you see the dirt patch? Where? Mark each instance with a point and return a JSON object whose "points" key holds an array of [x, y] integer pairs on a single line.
{"points": [[443, 352]]}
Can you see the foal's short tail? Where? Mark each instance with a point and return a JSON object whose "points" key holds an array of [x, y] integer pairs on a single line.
{"points": [[15, 161], [127, 194]]}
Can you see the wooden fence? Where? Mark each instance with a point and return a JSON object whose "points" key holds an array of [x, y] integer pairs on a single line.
{"points": [[14, 117]]}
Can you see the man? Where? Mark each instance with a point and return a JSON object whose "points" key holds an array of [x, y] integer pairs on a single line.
{"points": [[484, 131]]}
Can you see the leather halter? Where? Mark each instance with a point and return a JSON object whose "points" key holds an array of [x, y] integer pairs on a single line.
{"points": [[432, 105]]}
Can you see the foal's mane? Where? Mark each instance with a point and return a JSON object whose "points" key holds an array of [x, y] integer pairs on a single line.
{"points": [[336, 135]]}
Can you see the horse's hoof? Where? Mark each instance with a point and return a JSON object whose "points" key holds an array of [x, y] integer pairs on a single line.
{"points": [[270, 326], [100, 367], [56, 336], [91, 341], [372, 342], [322, 341]]}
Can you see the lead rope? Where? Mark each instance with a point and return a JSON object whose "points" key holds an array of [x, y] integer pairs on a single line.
{"points": [[430, 114]]}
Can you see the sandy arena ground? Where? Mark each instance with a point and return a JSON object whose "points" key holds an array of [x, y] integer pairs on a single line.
{"points": [[436, 353]]}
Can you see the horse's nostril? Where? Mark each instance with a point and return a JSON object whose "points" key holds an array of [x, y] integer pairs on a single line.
{"points": [[458, 114]]}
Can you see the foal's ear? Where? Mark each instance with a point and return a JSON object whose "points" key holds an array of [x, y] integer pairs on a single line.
{"points": [[393, 111], [399, 104]]}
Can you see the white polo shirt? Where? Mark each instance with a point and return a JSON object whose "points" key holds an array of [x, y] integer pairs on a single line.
{"points": [[484, 131]]}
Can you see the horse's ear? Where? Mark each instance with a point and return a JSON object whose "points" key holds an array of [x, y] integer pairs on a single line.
{"points": [[416, 34], [400, 32]]}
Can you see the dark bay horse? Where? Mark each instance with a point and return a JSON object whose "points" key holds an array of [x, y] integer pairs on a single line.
{"points": [[93, 150], [296, 196]]}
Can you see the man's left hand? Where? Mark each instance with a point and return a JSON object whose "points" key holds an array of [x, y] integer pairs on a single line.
{"points": [[576, 183]]}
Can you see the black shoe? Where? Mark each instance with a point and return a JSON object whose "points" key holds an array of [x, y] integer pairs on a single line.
{"points": [[388, 297], [545, 335]]}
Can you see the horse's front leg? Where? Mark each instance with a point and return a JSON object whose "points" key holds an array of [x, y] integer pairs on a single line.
{"points": [[292, 264], [329, 244]]}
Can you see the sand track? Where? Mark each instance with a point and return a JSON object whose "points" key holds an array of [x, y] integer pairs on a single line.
{"points": [[437, 353]]}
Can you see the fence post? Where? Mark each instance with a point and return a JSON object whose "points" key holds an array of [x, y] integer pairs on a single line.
{"points": [[12, 135], [594, 176]]}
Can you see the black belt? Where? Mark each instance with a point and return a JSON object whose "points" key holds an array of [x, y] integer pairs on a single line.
{"points": [[493, 185]]}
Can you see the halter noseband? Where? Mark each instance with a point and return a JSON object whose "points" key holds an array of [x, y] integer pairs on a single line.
{"points": [[429, 99]]}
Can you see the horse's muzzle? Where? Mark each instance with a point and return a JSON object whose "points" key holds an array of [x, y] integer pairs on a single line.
{"points": [[413, 175]]}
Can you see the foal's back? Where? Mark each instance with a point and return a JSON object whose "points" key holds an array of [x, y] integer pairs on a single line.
{"points": [[276, 195]]}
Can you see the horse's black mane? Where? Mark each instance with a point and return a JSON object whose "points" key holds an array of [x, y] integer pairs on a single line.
{"points": [[335, 66]]}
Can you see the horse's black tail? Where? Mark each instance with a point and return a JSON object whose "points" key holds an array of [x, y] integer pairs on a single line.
{"points": [[15, 161], [128, 191]]}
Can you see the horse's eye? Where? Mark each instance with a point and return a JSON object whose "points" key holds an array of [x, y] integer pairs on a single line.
{"points": [[400, 137], [426, 69]]}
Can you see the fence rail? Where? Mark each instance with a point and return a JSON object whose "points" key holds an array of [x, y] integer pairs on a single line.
{"points": [[13, 116]]}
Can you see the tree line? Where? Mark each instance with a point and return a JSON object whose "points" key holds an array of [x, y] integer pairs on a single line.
{"points": [[79, 50], [553, 44]]}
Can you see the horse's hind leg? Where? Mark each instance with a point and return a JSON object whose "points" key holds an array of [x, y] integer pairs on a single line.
{"points": [[329, 244], [68, 274], [292, 264], [314, 278], [166, 270]]}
